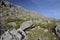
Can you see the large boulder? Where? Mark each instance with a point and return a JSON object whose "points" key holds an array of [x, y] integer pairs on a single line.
{"points": [[27, 25], [11, 35]]}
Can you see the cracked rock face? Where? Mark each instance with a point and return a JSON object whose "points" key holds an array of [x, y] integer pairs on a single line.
{"points": [[57, 29], [11, 35], [18, 34]]}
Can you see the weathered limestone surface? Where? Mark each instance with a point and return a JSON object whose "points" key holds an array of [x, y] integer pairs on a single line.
{"points": [[26, 25], [18, 34], [57, 29]]}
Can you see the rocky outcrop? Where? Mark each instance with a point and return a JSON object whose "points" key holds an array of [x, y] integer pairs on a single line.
{"points": [[57, 29], [27, 25], [18, 34]]}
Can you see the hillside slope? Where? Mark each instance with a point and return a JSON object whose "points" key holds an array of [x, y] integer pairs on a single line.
{"points": [[10, 11], [12, 16]]}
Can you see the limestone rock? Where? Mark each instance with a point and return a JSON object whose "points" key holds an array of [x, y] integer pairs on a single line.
{"points": [[13, 35], [57, 29], [46, 30], [18, 34], [12, 23], [39, 27], [26, 25]]}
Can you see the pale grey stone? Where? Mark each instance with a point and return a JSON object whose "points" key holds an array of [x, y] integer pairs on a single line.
{"points": [[53, 33], [57, 30], [45, 30], [26, 25], [39, 27], [55, 38], [6, 36], [12, 23]]}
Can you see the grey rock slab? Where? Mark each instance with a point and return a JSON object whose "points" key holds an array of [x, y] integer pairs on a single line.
{"points": [[26, 25], [6, 36]]}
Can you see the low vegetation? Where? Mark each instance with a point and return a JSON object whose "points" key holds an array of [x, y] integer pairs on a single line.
{"points": [[18, 22], [40, 34], [29, 15], [49, 25], [14, 20]]}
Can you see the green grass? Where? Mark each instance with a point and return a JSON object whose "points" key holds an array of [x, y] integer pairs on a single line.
{"points": [[18, 22], [14, 20], [34, 34], [49, 25], [8, 26]]}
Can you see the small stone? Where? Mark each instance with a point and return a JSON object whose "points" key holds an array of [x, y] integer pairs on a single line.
{"points": [[54, 38], [39, 27], [12, 23], [53, 33], [46, 30]]}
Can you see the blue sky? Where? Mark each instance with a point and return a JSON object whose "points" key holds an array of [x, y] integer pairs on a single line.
{"points": [[49, 8]]}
